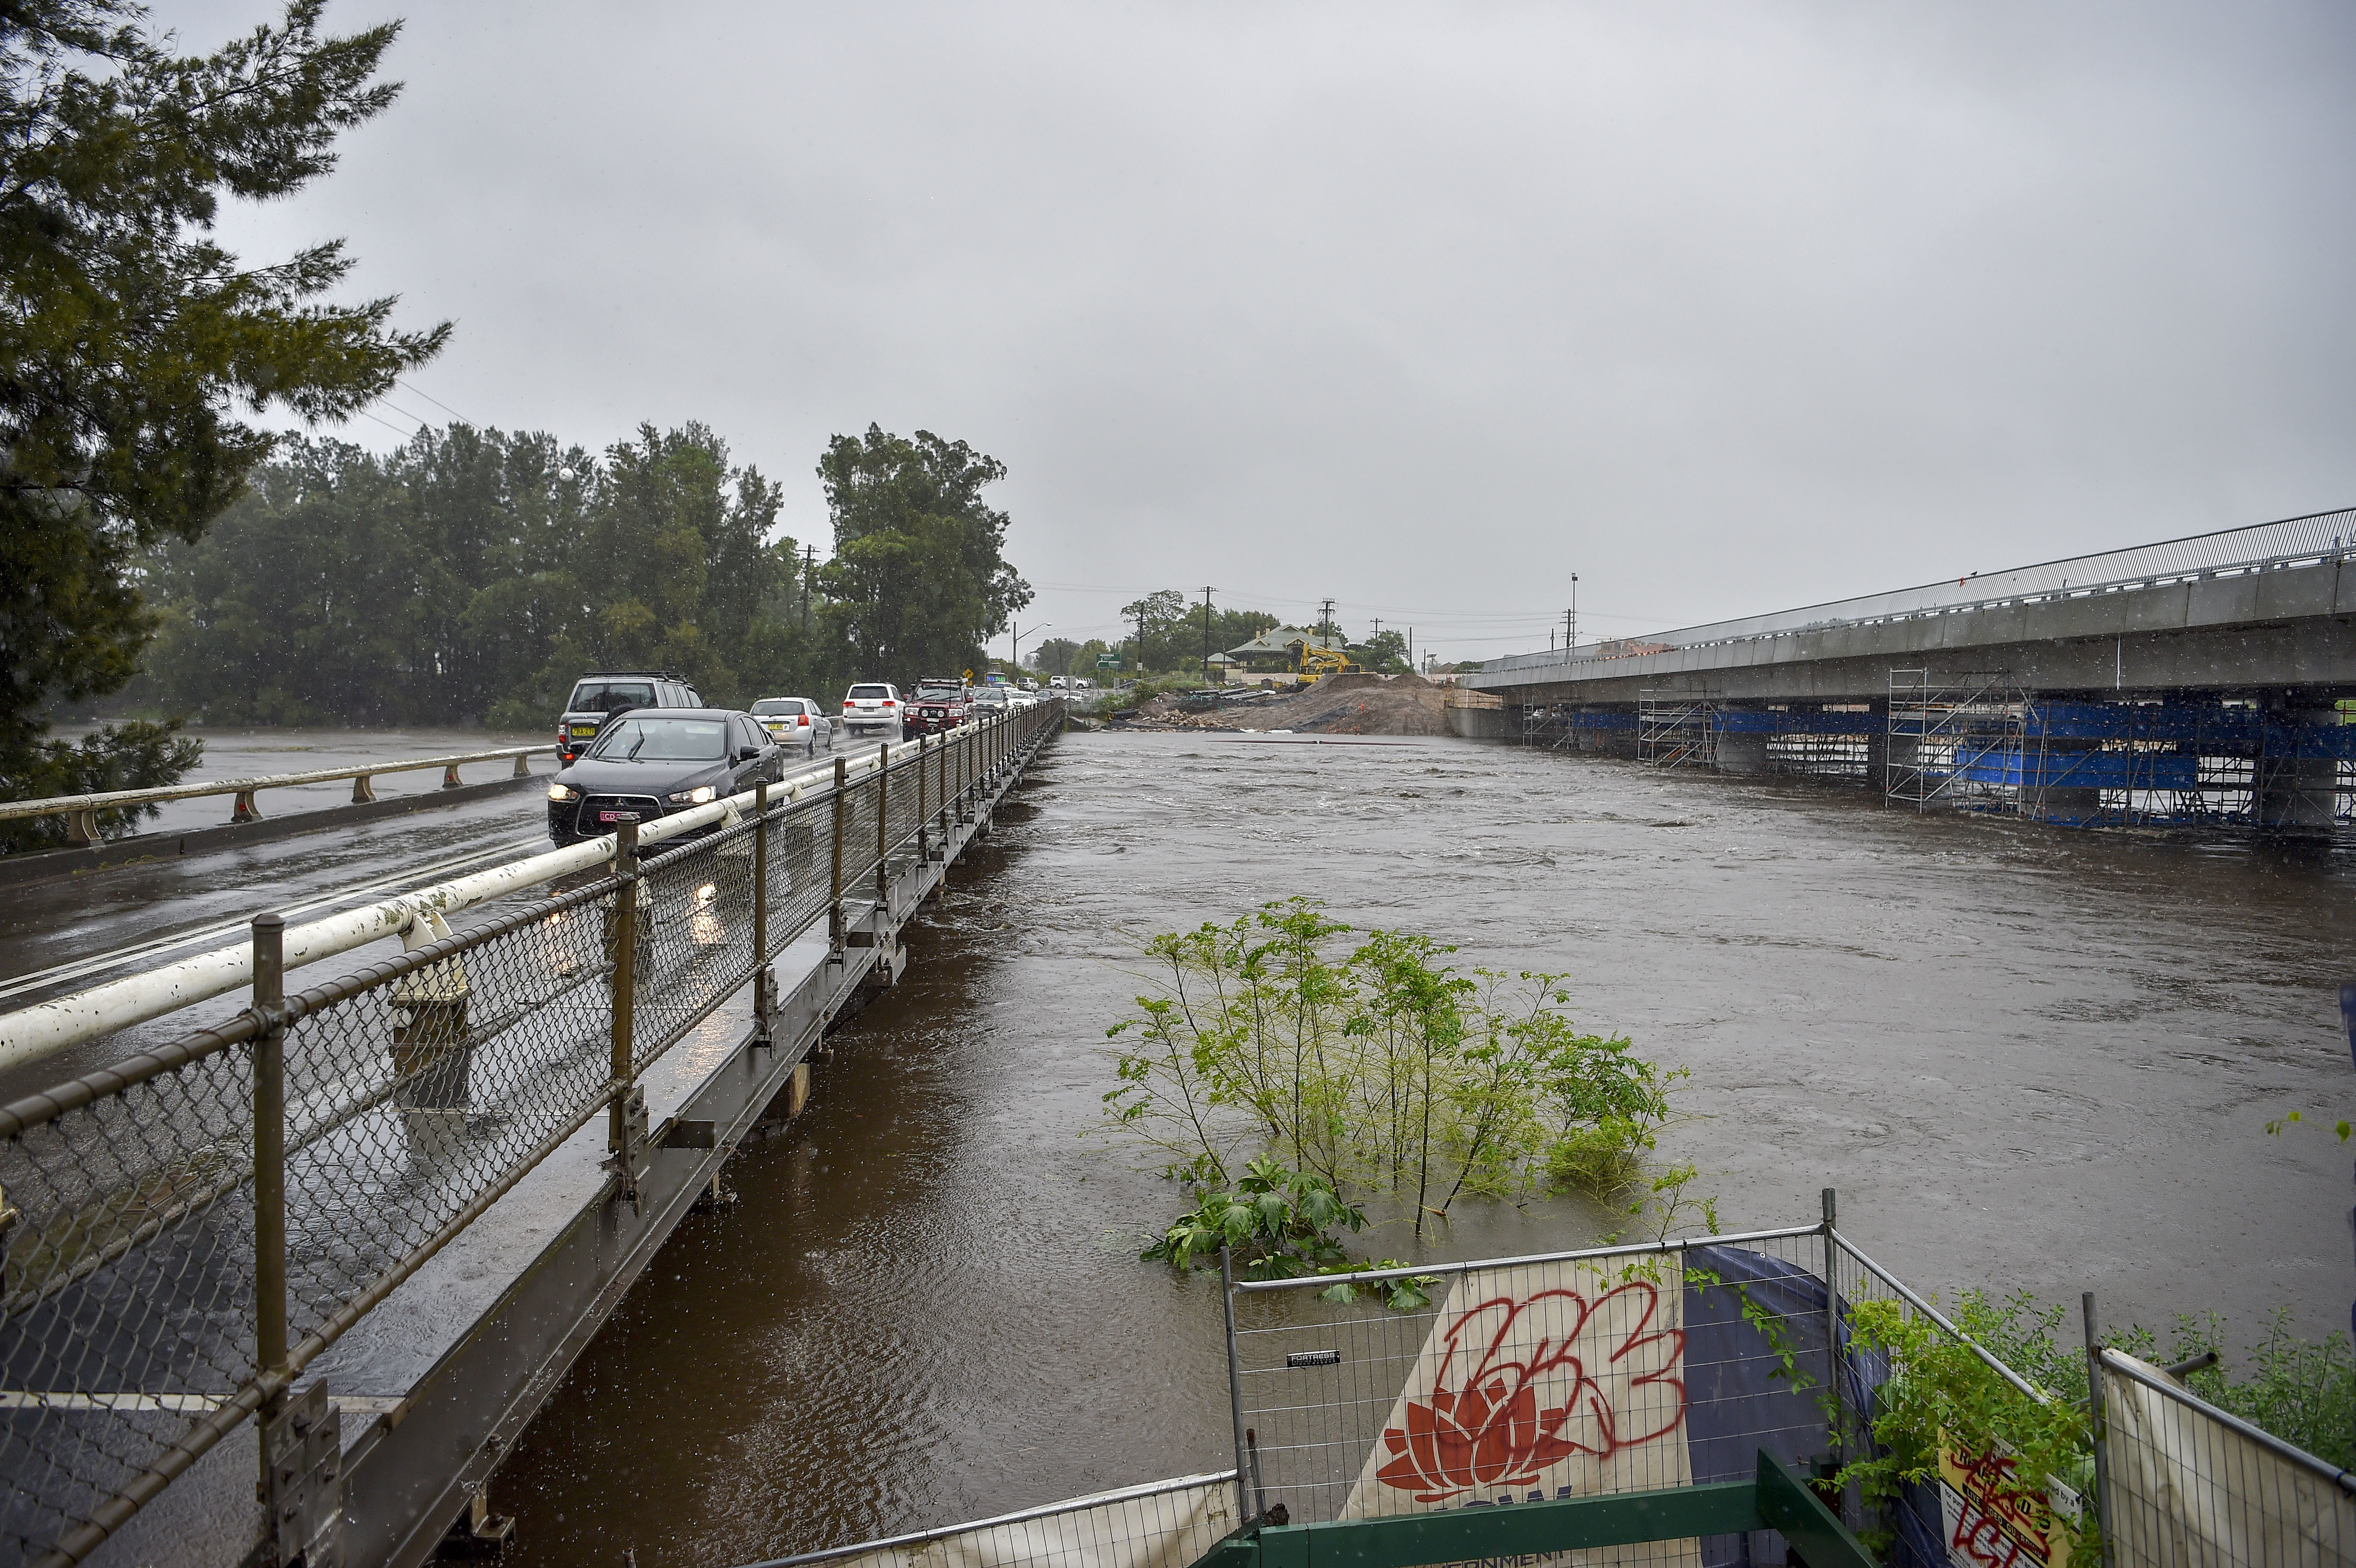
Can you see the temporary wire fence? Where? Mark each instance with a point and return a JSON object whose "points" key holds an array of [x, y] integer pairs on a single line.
{"points": [[2186, 1485], [1161, 1524], [1669, 1364], [1629, 1368], [186, 1231]]}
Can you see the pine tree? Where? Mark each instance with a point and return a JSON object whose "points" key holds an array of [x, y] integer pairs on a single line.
{"points": [[133, 347]]}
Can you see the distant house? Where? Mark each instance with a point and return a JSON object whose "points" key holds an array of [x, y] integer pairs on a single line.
{"points": [[1279, 652]]}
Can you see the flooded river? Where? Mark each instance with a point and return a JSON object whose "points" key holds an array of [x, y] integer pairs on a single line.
{"points": [[2028, 1058]]}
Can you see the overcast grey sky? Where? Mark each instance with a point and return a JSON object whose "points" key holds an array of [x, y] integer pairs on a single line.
{"points": [[1726, 308]]}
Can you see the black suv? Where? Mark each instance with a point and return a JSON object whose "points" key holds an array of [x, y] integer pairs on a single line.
{"points": [[598, 697], [652, 762]]}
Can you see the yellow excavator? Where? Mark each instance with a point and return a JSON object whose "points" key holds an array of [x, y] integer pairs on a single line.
{"points": [[1320, 662]]}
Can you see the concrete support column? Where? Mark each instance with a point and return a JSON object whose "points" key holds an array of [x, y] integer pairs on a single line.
{"points": [[1742, 751], [2299, 792], [2047, 789]]}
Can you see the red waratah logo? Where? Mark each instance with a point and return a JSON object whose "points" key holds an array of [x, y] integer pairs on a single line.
{"points": [[1484, 1426]]}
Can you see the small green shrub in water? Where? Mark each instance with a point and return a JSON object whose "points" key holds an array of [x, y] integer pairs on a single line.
{"points": [[1377, 1067]]}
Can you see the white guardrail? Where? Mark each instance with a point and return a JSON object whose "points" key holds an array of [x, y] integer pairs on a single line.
{"points": [[47, 1028], [84, 809]]}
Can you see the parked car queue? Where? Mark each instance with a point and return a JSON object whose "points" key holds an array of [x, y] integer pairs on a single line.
{"points": [[634, 746]]}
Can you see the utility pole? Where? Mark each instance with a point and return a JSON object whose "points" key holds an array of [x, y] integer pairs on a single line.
{"points": [[1325, 622], [1207, 637], [1574, 609], [1140, 636], [809, 570], [1411, 650]]}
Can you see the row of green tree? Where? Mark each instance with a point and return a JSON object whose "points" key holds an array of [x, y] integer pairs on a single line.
{"points": [[160, 549], [472, 575]]}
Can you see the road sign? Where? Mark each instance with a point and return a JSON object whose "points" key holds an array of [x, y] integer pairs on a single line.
{"points": [[1107, 661]]}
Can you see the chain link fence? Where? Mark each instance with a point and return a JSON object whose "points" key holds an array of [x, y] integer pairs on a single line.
{"points": [[185, 1231]]}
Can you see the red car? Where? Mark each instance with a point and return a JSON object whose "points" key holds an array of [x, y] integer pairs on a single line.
{"points": [[938, 707]]}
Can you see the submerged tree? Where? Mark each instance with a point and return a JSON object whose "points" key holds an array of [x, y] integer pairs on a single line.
{"points": [[132, 345], [1378, 1068]]}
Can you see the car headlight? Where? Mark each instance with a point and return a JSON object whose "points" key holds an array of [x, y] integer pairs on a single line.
{"points": [[700, 795], [563, 791]]}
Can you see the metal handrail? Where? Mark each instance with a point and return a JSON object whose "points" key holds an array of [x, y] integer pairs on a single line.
{"points": [[2294, 541], [2289, 1453], [1625, 1250], [46, 1028], [1044, 1510], [109, 800]]}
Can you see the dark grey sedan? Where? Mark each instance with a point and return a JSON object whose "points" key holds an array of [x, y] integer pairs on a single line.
{"points": [[651, 762]]}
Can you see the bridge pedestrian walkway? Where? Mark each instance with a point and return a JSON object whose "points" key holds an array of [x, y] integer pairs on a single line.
{"points": [[349, 1241]]}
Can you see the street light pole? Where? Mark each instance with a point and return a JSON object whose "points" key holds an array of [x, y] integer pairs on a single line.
{"points": [[1015, 633]]}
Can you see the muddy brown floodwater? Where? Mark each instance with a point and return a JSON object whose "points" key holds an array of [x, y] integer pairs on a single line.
{"points": [[2028, 1058]]}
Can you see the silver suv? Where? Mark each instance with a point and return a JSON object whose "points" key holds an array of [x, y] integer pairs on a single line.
{"points": [[872, 709], [600, 695]]}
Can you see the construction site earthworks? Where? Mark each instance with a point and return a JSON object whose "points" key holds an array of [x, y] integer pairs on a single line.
{"points": [[1359, 703]]}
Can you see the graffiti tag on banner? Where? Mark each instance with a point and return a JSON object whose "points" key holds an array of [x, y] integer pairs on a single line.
{"points": [[1540, 1381], [1990, 1524]]}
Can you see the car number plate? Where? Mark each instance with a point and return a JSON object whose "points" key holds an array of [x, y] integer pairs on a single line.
{"points": [[582, 731], [617, 816]]}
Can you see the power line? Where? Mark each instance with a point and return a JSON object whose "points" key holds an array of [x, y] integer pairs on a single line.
{"points": [[432, 398]]}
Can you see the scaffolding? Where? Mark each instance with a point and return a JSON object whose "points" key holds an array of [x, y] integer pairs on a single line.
{"points": [[1978, 743], [1675, 729], [1942, 733], [1833, 741]]}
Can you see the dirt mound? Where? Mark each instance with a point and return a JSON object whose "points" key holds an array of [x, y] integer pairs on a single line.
{"points": [[1338, 705], [1356, 681]]}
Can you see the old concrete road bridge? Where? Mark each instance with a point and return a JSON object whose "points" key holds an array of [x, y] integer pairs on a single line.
{"points": [[346, 1240], [2199, 680]]}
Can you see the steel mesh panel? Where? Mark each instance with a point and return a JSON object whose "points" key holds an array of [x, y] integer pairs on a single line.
{"points": [[411, 1096], [2185, 1489], [1169, 1523], [1328, 1389], [127, 1314]]}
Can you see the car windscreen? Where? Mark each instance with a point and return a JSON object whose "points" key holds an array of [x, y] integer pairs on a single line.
{"points": [[778, 705], [989, 694], [870, 693], [647, 738], [928, 693], [611, 696]]}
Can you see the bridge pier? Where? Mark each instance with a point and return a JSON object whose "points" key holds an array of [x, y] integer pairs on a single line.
{"points": [[2298, 794], [1742, 751], [2051, 787]]}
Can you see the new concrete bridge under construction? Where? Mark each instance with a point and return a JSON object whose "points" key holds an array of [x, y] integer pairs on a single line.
{"points": [[2197, 679]]}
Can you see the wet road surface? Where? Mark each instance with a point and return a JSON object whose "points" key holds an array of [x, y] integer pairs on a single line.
{"points": [[2028, 1058], [139, 916]]}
